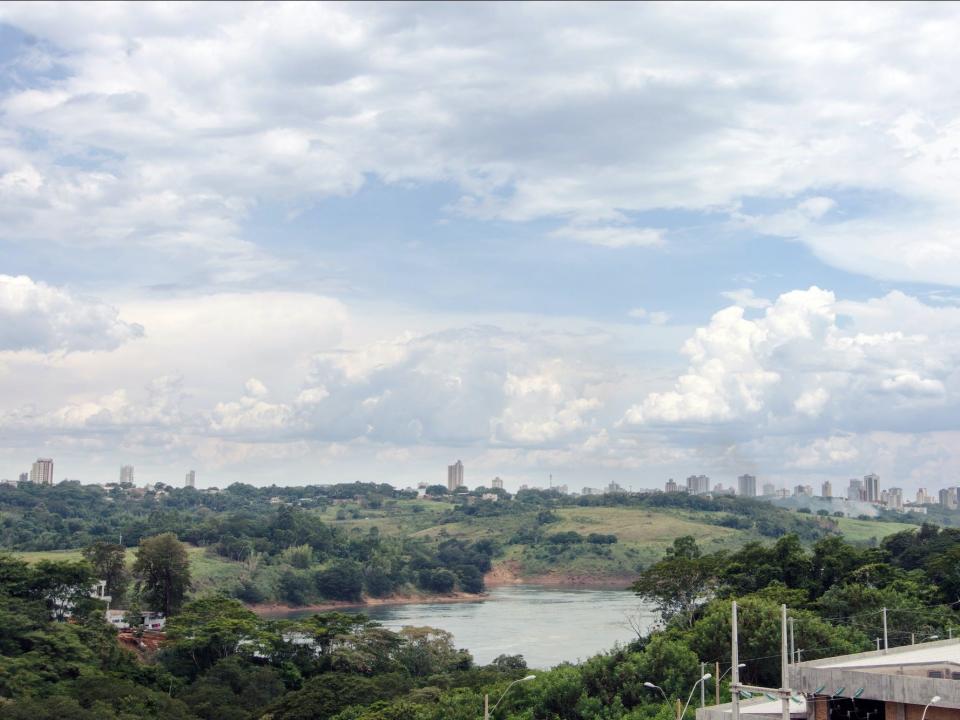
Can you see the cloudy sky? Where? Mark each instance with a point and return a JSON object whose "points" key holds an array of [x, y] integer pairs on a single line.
{"points": [[320, 243]]}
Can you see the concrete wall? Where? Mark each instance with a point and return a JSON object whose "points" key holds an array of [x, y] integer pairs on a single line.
{"points": [[805, 678]]}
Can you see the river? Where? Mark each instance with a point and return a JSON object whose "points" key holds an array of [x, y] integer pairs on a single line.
{"points": [[545, 625]]}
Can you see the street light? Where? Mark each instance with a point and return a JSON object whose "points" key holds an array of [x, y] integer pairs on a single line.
{"points": [[486, 698], [740, 665], [706, 677], [651, 686], [933, 701]]}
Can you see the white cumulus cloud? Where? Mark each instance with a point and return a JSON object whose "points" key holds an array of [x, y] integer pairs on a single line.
{"points": [[36, 316]]}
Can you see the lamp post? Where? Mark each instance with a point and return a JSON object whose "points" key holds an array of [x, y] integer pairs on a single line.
{"points": [[680, 713], [652, 686], [933, 701], [706, 676], [739, 665], [486, 698]]}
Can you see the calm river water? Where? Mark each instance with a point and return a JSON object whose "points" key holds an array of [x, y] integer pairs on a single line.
{"points": [[545, 625]]}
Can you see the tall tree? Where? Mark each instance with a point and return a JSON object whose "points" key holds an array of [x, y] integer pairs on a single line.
{"points": [[678, 583], [64, 585], [163, 568], [109, 562]]}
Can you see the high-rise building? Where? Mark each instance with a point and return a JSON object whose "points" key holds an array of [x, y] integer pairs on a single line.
{"points": [[922, 498], [670, 486], [769, 489], [855, 490], [42, 472], [826, 489], [24, 477], [871, 484], [802, 491], [698, 484], [747, 485], [948, 498], [126, 474], [191, 479], [895, 498], [497, 483], [454, 476]]}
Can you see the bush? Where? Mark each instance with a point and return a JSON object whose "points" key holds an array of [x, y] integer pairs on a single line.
{"points": [[439, 580], [293, 588], [300, 556], [248, 592], [342, 580], [565, 538], [601, 539]]}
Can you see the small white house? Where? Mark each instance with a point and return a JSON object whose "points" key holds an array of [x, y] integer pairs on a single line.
{"points": [[149, 620]]}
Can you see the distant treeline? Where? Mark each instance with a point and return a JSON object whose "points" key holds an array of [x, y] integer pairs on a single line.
{"points": [[311, 560]]}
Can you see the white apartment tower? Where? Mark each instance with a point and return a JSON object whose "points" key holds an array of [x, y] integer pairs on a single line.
{"points": [[126, 474], [826, 489], [42, 471], [496, 483], [895, 498], [670, 486], [698, 484], [454, 476], [871, 484], [747, 486], [948, 498], [191, 479]]}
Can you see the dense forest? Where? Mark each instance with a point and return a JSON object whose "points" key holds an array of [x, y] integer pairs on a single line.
{"points": [[222, 662]]}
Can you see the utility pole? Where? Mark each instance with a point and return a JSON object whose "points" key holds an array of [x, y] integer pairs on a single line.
{"points": [[703, 685], [735, 670], [486, 707], [716, 682], [885, 645], [784, 672], [679, 709], [793, 654], [913, 639], [878, 644]]}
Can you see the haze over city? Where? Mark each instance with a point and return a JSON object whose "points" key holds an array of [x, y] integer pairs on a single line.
{"points": [[274, 244]]}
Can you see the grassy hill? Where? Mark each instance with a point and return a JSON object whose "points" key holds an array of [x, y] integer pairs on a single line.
{"points": [[858, 531], [643, 534]]}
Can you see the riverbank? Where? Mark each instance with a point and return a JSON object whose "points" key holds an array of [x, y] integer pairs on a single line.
{"points": [[506, 574], [502, 575], [279, 609]]}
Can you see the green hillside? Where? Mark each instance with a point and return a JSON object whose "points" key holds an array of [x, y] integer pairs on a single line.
{"points": [[269, 544]]}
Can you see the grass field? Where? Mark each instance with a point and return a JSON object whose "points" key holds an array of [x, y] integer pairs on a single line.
{"points": [[864, 530], [32, 557], [404, 517], [643, 536]]}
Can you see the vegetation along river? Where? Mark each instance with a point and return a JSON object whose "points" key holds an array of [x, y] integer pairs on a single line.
{"points": [[545, 625]]}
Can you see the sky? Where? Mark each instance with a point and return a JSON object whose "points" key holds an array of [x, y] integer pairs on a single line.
{"points": [[296, 244]]}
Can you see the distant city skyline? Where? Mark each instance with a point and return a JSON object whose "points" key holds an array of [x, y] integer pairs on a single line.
{"points": [[867, 490], [615, 246]]}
